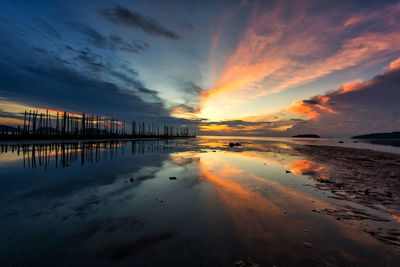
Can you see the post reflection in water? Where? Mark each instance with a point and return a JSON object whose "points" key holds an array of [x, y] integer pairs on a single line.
{"points": [[65, 154], [226, 205]]}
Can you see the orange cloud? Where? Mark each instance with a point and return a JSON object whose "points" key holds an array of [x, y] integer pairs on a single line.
{"points": [[274, 54], [395, 64], [254, 127], [316, 105], [11, 121], [351, 86], [182, 112], [298, 107], [313, 109]]}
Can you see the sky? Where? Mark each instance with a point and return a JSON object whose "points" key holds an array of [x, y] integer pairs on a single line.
{"points": [[263, 68]]}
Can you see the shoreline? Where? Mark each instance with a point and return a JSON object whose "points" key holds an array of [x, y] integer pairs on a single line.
{"points": [[365, 177], [76, 140]]}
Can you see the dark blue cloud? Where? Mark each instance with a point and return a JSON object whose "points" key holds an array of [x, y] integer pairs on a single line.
{"points": [[48, 68], [112, 42], [120, 15], [59, 87]]}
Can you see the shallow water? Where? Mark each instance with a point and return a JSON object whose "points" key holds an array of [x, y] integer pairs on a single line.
{"points": [[74, 204], [382, 145]]}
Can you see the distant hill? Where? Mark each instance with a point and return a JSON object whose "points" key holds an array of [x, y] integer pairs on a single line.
{"points": [[306, 136], [392, 135]]}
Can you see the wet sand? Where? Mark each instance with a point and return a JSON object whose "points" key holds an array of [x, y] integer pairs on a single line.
{"points": [[365, 177]]}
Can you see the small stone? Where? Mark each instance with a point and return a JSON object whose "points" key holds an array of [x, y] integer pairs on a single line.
{"points": [[132, 179], [308, 245], [234, 144], [288, 171], [172, 178]]}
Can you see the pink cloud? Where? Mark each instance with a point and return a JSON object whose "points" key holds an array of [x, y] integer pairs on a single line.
{"points": [[355, 108], [275, 53], [395, 64]]}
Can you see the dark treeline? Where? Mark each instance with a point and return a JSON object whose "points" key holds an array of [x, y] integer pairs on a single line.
{"points": [[63, 125], [61, 155]]}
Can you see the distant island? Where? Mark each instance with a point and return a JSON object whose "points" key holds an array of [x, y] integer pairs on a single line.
{"points": [[392, 135], [306, 136]]}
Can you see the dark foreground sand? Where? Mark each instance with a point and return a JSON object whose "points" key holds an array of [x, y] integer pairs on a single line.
{"points": [[365, 177]]}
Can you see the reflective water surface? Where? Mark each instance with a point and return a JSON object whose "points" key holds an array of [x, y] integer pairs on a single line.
{"points": [[64, 204]]}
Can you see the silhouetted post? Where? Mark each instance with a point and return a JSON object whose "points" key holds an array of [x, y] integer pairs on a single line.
{"points": [[57, 125], [34, 122], [40, 123], [47, 122], [28, 122], [64, 121], [83, 124], [24, 129], [97, 125], [50, 127], [92, 126], [68, 124]]}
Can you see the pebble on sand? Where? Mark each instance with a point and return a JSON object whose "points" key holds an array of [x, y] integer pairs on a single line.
{"points": [[308, 245], [234, 144]]}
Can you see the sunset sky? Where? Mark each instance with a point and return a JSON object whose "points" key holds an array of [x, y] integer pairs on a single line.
{"points": [[268, 68]]}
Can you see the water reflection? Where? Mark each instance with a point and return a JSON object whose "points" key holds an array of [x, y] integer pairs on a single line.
{"points": [[271, 212], [227, 206], [62, 155], [307, 167]]}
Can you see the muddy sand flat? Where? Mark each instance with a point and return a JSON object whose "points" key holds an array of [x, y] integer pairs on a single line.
{"points": [[365, 177]]}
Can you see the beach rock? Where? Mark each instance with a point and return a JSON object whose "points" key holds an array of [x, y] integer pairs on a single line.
{"points": [[234, 144], [246, 262], [308, 245], [288, 171], [172, 178], [132, 179]]}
